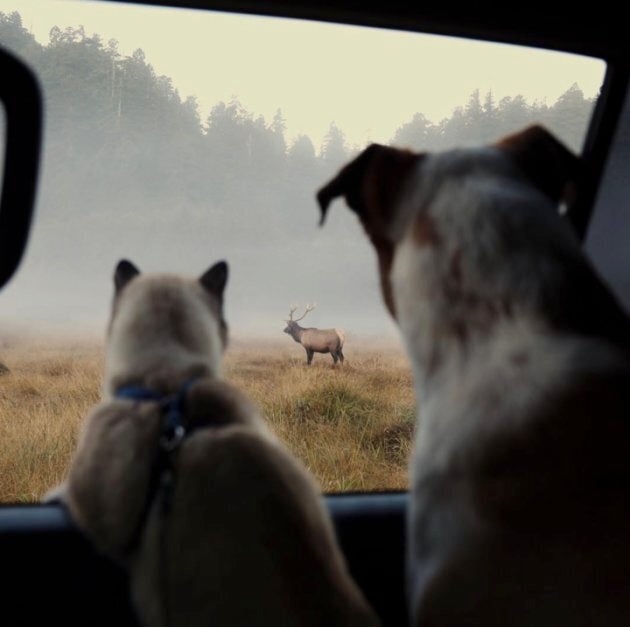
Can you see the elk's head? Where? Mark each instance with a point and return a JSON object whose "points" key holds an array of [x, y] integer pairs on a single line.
{"points": [[292, 325]]}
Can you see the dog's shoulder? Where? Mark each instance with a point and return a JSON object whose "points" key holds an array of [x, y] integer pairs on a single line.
{"points": [[111, 472], [215, 402], [518, 396], [239, 494]]}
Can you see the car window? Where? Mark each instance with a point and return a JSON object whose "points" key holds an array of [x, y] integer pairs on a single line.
{"points": [[176, 138]]}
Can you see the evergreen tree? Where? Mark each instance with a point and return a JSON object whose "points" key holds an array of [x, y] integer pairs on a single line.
{"points": [[569, 116], [13, 36], [418, 134], [334, 150], [301, 154]]}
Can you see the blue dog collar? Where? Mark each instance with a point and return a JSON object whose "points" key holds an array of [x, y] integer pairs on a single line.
{"points": [[171, 405]]}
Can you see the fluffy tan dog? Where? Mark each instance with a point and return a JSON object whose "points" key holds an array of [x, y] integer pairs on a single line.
{"points": [[520, 478], [177, 477]]}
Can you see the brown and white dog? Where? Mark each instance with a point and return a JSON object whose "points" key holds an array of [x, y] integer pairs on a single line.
{"points": [[520, 476], [223, 526]]}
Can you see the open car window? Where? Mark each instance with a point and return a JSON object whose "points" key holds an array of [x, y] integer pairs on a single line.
{"points": [[176, 138]]}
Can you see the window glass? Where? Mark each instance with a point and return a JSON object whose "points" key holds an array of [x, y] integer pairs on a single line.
{"points": [[176, 138]]}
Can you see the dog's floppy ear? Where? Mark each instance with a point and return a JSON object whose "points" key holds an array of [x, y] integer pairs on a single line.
{"points": [[546, 162], [349, 183], [369, 184], [215, 278], [125, 271]]}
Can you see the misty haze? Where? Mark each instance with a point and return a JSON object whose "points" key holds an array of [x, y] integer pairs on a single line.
{"points": [[130, 170]]}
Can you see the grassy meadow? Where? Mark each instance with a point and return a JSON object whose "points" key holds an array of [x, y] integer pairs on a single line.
{"points": [[352, 425]]}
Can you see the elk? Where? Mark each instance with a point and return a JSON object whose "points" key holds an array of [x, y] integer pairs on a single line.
{"points": [[315, 340]]}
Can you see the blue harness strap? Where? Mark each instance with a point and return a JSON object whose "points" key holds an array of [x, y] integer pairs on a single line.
{"points": [[137, 393], [172, 408], [173, 431]]}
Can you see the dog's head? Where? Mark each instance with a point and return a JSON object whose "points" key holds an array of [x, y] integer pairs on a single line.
{"points": [[165, 323], [440, 202]]}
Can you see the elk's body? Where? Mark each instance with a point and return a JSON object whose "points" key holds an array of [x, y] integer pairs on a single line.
{"points": [[316, 340]]}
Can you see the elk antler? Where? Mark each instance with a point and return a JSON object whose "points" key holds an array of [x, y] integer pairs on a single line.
{"points": [[291, 312], [308, 308]]}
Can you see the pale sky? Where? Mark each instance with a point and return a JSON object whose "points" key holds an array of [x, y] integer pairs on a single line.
{"points": [[368, 81]]}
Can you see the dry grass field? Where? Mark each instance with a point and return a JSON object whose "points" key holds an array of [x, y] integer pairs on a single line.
{"points": [[352, 426]]}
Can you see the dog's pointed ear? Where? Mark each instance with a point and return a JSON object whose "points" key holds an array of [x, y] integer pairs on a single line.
{"points": [[125, 271], [546, 162], [215, 278], [369, 184]]}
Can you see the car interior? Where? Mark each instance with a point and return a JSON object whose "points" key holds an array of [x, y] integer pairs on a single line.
{"points": [[50, 573]]}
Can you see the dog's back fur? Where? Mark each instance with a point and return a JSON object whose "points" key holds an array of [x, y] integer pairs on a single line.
{"points": [[521, 469], [249, 541], [243, 537]]}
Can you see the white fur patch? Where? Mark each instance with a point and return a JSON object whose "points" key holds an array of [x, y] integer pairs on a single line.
{"points": [[476, 201]]}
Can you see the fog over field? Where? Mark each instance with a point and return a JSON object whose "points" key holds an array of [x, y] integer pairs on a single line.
{"points": [[66, 279], [133, 170]]}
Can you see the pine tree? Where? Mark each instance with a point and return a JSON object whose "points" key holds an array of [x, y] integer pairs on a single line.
{"points": [[334, 150], [418, 134]]}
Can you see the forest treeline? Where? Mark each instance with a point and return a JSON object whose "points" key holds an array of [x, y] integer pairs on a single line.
{"points": [[112, 122], [134, 169]]}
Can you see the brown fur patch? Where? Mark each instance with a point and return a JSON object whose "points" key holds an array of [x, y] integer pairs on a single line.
{"points": [[382, 185], [548, 164], [455, 267], [371, 185], [520, 359], [385, 253], [424, 232], [381, 188]]}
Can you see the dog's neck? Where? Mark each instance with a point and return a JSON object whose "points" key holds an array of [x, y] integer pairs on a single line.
{"points": [[163, 374], [160, 363], [439, 342], [455, 289]]}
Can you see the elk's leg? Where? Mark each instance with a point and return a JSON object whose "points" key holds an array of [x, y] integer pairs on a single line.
{"points": [[341, 357], [334, 356], [309, 356]]}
